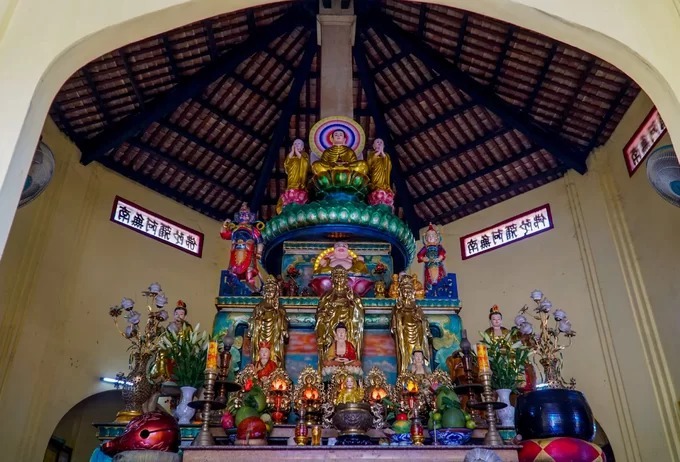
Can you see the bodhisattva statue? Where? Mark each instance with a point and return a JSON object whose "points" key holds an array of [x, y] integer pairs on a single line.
{"points": [[496, 321], [296, 167], [269, 324], [339, 156], [339, 305], [379, 167], [409, 326]]}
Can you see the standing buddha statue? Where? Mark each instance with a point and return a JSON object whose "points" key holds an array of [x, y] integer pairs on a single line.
{"points": [[409, 326], [339, 305], [269, 324]]}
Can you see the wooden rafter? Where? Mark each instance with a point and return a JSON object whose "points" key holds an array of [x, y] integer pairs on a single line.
{"points": [[560, 148], [280, 133], [382, 129], [98, 146]]}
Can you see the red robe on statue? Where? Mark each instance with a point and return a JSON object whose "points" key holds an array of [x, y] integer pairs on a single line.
{"points": [[264, 371]]}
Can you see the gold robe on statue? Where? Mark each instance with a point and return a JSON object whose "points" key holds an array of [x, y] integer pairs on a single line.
{"points": [[297, 169], [269, 324], [339, 304], [409, 326], [379, 171], [338, 156]]}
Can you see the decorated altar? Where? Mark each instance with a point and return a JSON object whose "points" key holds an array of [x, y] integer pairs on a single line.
{"points": [[322, 341]]}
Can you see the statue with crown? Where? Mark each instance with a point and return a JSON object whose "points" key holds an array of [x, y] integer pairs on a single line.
{"points": [[337, 240]]}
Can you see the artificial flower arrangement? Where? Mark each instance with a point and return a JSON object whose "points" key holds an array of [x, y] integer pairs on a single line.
{"points": [[186, 350], [144, 343], [508, 357], [547, 344]]}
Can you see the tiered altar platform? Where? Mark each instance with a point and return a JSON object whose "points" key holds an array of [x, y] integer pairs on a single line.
{"points": [[344, 453]]}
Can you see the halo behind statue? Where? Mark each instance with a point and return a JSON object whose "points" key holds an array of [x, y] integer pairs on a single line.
{"points": [[321, 132]]}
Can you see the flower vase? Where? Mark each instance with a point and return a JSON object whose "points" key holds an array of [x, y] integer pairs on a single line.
{"points": [[507, 414], [184, 413]]}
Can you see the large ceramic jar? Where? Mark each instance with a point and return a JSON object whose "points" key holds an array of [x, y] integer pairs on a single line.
{"points": [[550, 413]]}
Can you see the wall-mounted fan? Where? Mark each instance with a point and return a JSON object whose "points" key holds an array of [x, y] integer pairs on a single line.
{"points": [[663, 172], [39, 175]]}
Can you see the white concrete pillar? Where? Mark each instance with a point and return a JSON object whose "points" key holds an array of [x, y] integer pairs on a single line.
{"points": [[335, 32]]}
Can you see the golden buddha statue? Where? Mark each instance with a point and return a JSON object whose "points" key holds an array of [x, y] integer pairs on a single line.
{"points": [[393, 291], [269, 324], [496, 320], [350, 391], [409, 326], [339, 156], [296, 166], [339, 255], [339, 305], [419, 288], [379, 167]]}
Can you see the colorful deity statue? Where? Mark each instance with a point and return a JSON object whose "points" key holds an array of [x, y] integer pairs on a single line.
{"points": [[433, 255], [269, 324], [264, 365], [496, 320], [246, 246], [339, 309], [339, 156], [179, 325], [379, 171], [409, 326], [418, 365], [340, 255], [296, 167]]}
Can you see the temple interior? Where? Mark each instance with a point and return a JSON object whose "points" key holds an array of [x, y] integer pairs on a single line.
{"points": [[489, 115]]}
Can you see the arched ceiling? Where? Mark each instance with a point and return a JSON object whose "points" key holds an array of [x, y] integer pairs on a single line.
{"points": [[473, 110]]}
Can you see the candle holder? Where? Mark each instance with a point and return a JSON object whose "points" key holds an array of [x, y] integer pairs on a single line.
{"points": [[492, 438], [469, 385], [417, 430], [301, 430], [204, 438], [278, 388]]}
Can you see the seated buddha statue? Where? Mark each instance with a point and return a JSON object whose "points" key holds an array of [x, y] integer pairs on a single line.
{"points": [[341, 352], [339, 255], [350, 391], [339, 156]]}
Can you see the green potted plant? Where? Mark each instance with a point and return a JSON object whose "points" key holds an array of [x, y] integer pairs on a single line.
{"points": [[507, 359], [186, 352]]}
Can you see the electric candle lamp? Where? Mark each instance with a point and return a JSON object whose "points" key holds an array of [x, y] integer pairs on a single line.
{"points": [[483, 359], [211, 361]]}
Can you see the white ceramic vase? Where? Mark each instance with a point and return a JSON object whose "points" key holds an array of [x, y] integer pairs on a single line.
{"points": [[184, 413], [507, 414]]}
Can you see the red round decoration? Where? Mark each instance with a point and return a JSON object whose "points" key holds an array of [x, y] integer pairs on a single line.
{"points": [[157, 431], [251, 428], [560, 449]]}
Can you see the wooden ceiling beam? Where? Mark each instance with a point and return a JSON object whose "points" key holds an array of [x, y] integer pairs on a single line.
{"points": [[184, 167], [560, 148], [189, 87], [280, 133], [201, 143], [459, 150], [382, 130], [431, 123], [478, 174], [465, 209], [161, 188]]}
